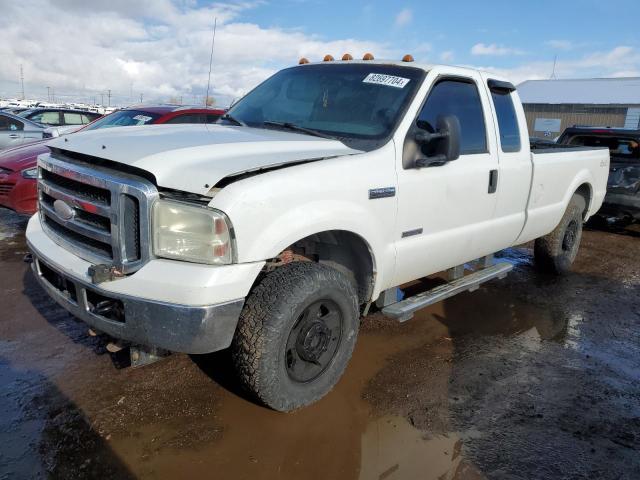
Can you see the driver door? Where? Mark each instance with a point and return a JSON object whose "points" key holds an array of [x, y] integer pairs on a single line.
{"points": [[445, 211]]}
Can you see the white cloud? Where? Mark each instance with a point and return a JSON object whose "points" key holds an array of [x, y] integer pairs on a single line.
{"points": [[447, 56], [617, 62], [156, 47], [404, 17], [494, 50]]}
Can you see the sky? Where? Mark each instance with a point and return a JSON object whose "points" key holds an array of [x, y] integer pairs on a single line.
{"points": [[159, 49]]}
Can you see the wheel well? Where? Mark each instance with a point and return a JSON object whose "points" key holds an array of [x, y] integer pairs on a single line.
{"points": [[345, 251], [584, 190]]}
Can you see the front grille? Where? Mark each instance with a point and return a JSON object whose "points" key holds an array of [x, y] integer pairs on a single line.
{"points": [[99, 214], [5, 189]]}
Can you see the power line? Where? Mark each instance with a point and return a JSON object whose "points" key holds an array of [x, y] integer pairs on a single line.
{"points": [[213, 41]]}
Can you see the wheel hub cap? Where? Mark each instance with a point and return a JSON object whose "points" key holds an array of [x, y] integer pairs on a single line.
{"points": [[313, 341]]}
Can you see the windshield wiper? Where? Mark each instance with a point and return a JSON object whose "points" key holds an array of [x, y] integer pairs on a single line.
{"points": [[298, 128], [233, 120]]}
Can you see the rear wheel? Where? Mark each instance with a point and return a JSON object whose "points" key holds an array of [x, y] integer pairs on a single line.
{"points": [[556, 252], [296, 334]]}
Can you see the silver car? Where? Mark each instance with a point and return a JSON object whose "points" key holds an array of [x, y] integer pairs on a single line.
{"points": [[15, 131]]}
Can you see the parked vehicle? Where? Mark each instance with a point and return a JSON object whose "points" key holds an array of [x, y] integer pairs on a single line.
{"points": [[18, 166], [59, 116], [322, 191], [15, 130], [623, 190]]}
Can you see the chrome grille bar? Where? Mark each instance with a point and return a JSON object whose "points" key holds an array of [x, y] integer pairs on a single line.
{"points": [[103, 201]]}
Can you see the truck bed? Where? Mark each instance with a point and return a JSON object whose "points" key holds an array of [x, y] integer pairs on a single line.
{"points": [[556, 167]]}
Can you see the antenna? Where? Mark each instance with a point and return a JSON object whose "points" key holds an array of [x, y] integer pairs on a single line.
{"points": [[213, 42], [553, 72]]}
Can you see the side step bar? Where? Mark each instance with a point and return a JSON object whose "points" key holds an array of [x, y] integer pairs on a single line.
{"points": [[404, 309]]}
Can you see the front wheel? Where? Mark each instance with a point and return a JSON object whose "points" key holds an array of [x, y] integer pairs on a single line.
{"points": [[555, 252], [296, 334]]}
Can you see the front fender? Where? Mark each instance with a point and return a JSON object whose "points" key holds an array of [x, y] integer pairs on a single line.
{"points": [[273, 210]]}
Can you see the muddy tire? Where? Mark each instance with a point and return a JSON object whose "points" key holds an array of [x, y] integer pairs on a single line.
{"points": [[296, 334], [555, 252]]}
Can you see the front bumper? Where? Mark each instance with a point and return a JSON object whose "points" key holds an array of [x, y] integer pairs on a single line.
{"points": [[174, 327], [18, 193]]}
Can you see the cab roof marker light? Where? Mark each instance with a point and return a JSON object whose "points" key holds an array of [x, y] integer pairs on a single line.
{"points": [[367, 56], [407, 58], [346, 57], [302, 61], [327, 58]]}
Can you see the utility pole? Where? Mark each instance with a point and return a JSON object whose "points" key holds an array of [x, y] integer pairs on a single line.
{"points": [[553, 72], [22, 80], [53, 95], [102, 99], [140, 98], [48, 94], [109, 96]]}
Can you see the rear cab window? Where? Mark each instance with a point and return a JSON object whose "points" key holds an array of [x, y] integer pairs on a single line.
{"points": [[508, 126]]}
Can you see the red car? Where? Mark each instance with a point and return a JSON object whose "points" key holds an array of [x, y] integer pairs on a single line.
{"points": [[18, 166]]}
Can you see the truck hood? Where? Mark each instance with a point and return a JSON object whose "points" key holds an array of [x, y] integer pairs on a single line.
{"points": [[193, 158]]}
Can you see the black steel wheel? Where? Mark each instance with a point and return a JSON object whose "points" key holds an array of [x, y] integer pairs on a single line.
{"points": [[313, 341]]}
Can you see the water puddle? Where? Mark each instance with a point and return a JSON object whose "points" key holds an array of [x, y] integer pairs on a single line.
{"points": [[393, 449]]}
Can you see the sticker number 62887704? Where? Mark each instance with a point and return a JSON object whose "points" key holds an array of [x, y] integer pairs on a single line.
{"points": [[388, 80]]}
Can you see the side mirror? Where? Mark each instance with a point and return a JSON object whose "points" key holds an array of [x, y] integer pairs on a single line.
{"points": [[444, 144]]}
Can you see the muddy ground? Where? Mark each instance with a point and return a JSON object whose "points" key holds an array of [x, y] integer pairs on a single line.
{"points": [[529, 377]]}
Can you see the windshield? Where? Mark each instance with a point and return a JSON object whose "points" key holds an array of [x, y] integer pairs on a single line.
{"points": [[360, 104], [124, 118]]}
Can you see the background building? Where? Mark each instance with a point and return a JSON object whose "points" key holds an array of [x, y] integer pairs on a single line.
{"points": [[553, 105]]}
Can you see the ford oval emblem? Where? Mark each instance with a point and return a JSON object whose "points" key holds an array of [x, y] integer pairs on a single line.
{"points": [[64, 210]]}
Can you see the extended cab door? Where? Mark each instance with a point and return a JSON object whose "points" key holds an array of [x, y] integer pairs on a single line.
{"points": [[446, 212], [516, 168]]}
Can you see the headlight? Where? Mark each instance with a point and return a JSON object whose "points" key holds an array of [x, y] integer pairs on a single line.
{"points": [[30, 172], [191, 233]]}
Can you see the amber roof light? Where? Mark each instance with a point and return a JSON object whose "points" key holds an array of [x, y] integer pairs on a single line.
{"points": [[367, 56], [327, 58], [407, 58], [302, 61], [347, 56]]}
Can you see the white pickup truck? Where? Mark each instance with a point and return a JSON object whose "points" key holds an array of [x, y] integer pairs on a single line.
{"points": [[319, 193]]}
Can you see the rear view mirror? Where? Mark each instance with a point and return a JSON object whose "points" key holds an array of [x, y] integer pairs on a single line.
{"points": [[444, 144]]}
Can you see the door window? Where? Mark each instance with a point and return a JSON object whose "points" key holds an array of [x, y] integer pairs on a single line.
{"points": [[47, 118], [459, 98], [507, 120], [9, 124], [71, 118]]}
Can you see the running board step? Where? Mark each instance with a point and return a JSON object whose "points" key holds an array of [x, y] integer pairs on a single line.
{"points": [[404, 309]]}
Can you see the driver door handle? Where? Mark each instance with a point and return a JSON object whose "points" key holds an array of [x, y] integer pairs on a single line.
{"points": [[493, 181], [13, 135]]}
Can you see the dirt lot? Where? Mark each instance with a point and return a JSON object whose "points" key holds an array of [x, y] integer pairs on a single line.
{"points": [[529, 377]]}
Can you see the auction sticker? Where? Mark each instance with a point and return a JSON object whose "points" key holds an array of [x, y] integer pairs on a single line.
{"points": [[142, 118], [388, 80]]}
